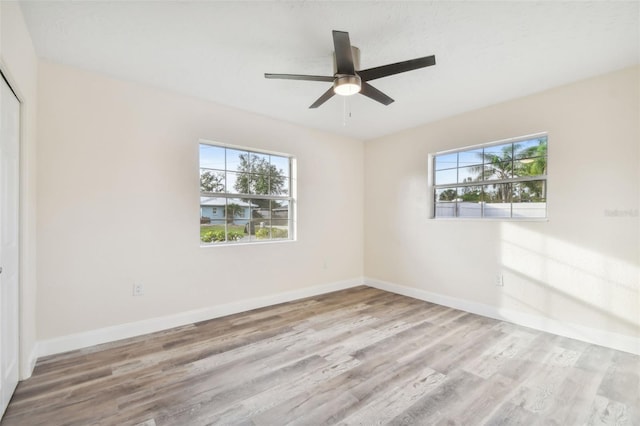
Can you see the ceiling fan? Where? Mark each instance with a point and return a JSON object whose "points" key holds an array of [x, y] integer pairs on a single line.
{"points": [[348, 79]]}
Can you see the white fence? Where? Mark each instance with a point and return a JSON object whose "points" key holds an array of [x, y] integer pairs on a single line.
{"points": [[469, 209]]}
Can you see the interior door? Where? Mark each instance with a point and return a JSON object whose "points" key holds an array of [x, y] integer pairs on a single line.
{"points": [[9, 241]]}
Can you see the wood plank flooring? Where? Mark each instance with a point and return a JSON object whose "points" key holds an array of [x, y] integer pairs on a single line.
{"points": [[355, 357]]}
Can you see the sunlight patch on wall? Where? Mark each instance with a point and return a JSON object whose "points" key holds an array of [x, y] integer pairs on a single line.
{"points": [[568, 281]]}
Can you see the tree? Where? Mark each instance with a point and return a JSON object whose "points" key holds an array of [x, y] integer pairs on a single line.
{"points": [[232, 210], [448, 195], [257, 176], [534, 163], [211, 181], [514, 161], [498, 166]]}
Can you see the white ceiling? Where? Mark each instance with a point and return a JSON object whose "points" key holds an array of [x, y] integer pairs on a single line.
{"points": [[486, 52]]}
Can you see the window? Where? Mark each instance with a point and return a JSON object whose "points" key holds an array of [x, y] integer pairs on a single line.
{"points": [[499, 180], [245, 196]]}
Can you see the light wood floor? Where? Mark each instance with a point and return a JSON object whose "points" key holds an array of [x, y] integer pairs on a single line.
{"points": [[360, 356]]}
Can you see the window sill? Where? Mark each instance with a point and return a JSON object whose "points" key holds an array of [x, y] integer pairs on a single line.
{"points": [[248, 243]]}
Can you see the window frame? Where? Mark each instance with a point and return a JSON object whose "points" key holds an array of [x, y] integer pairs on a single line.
{"points": [[433, 187], [289, 198]]}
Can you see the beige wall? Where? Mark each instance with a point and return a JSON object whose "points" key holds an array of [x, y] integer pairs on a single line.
{"points": [[18, 62], [118, 203], [580, 266]]}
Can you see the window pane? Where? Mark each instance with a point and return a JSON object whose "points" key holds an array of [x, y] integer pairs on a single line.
{"points": [[257, 214], [233, 185], [470, 209], [445, 202], [531, 167], [211, 157], [212, 211], [270, 220], [497, 200], [237, 160], [259, 163], [498, 153], [498, 170], [470, 193], [445, 177], [280, 219], [470, 204], [446, 161], [531, 148], [470, 158], [212, 220], [238, 214], [212, 233], [278, 183], [258, 183], [281, 164], [469, 174], [280, 216], [211, 180], [529, 199], [533, 191], [446, 194]]}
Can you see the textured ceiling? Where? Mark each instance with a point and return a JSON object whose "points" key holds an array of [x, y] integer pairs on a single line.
{"points": [[486, 52]]}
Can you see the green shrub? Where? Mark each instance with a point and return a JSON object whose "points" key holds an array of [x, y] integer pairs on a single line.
{"points": [[213, 236], [279, 233], [217, 235], [263, 233], [234, 235]]}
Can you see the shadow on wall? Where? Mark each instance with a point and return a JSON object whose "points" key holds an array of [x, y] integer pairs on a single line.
{"points": [[565, 281]]}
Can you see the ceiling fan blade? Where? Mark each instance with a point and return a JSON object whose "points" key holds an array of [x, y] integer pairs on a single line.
{"points": [[373, 93], [324, 98], [300, 77], [397, 68], [344, 56]]}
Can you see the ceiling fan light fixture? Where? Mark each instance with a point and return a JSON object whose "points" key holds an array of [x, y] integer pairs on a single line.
{"points": [[347, 85]]}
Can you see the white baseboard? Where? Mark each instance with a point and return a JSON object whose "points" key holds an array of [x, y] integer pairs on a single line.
{"points": [[123, 331], [26, 369], [575, 331]]}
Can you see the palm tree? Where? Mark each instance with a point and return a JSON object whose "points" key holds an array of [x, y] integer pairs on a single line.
{"points": [[497, 166], [513, 161], [534, 163], [232, 210]]}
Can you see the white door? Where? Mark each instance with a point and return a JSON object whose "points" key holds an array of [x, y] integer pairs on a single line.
{"points": [[9, 241]]}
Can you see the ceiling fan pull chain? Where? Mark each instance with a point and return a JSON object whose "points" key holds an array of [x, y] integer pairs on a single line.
{"points": [[344, 111]]}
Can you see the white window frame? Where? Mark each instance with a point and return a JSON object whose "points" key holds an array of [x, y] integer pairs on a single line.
{"points": [[433, 187], [290, 198]]}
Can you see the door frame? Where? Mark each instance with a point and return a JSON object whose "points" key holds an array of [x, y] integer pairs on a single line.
{"points": [[6, 77]]}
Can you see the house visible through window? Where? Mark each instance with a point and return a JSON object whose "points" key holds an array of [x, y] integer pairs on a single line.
{"points": [[245, 196], [501, 180]]}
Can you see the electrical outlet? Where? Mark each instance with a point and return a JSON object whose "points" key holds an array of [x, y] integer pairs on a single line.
{"points": [[500, 280], [138, 289]]}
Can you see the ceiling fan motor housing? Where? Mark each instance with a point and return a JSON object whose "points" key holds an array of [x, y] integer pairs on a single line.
{"points": [[355, 53]]}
